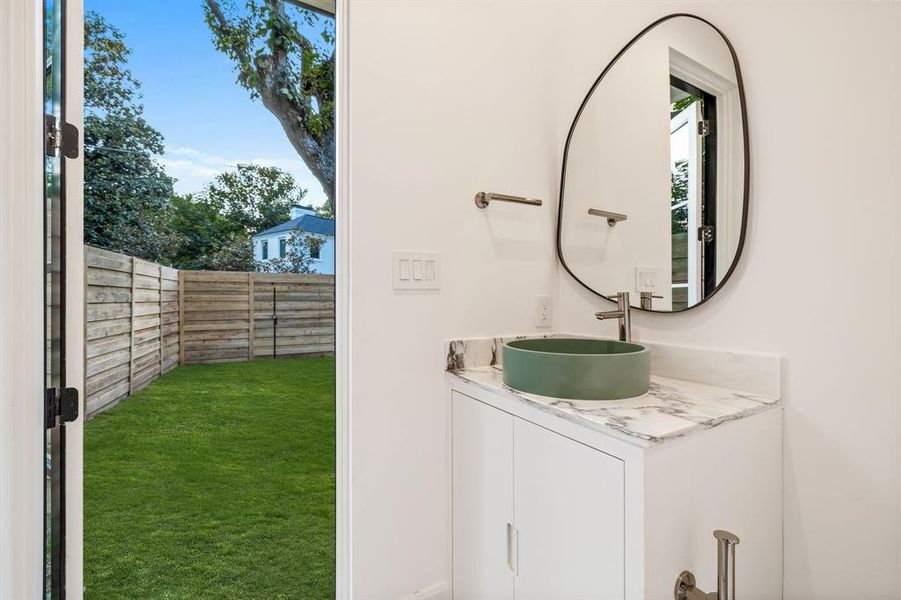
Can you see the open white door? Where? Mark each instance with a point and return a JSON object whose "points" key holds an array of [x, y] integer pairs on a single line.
{"points": [[684, 146], [40, 275], [63, 329], [73, 100]]}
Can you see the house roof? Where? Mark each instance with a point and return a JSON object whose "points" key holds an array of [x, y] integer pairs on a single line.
{"points": [[306, 223]]}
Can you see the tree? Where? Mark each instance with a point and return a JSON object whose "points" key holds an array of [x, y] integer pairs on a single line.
{"points": [[126, 189], [200, 232], [253, 198], [234, 254], [294, 77], [299, 250]]}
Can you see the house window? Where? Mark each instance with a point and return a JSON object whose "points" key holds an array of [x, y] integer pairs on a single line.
{"points": [[282, 246], [314, 250], [265, 249]]}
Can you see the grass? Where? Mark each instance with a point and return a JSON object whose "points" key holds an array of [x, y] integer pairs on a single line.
{"points": [[216, 481]]}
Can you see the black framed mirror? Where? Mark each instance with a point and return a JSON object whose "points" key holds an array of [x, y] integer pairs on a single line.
{"points": [[654, 190]]}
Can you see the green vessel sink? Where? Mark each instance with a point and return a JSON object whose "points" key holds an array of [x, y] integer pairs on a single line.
{"points": [[579, 369]]}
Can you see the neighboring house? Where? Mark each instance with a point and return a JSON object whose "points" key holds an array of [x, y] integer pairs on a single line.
{"points": [[273, 242]]}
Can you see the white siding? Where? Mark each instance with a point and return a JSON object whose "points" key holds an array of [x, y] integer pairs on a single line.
{"points": [[325, 265]]}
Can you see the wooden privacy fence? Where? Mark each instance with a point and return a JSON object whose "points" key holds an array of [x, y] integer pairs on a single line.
{"points": [[143, 319], [242, 316], [131, 335]]}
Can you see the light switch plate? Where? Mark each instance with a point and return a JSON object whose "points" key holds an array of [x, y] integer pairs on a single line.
{"points": [[414, 270], [646, 279]]}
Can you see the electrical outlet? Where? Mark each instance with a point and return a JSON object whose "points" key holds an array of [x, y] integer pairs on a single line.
{"points": [[544, 316]]}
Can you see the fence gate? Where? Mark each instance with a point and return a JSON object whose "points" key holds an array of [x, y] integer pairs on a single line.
{"points": [[294, 315], [229, 317], [274, 321]]}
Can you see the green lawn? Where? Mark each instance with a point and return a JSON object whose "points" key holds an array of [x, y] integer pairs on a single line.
{"points": [[216, 481]]}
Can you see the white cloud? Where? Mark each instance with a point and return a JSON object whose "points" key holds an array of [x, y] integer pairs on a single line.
{"points": [[194, 169]]}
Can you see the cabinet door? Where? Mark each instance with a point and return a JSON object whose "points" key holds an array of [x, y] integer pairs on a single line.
{"points": [[482, 500], [569, 503]]}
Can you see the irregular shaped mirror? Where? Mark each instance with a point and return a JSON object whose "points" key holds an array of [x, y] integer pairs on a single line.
{"points": [[654, 193]]}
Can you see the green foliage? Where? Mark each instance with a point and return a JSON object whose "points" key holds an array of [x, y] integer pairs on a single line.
{"points": [[215, 482], [680, 105], [253, 198], [298, 258], [679, 195], [234, 254], [108, 85], [200, 229], [126, 189]]}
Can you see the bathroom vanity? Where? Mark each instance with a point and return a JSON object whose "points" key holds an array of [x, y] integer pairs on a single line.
{"points": [[555, 498]]}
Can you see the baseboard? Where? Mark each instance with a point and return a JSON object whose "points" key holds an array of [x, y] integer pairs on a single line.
{"points": [[437, 591]]}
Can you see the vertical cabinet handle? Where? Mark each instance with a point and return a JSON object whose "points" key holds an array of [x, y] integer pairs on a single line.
{"points": [[513, 548]]}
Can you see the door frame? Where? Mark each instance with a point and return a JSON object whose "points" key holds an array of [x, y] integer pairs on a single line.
{"points": [[21, 302], [21, 305], [75, 317], [343, 336]]}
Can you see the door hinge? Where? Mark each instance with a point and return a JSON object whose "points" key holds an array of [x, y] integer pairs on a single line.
{"points": [[703, 127], [60, 136], [62, 403], [705, 233]]}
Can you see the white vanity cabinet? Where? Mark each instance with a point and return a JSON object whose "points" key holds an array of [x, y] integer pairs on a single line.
{"points": [[568, 521], [546, 508], [524, 527]]}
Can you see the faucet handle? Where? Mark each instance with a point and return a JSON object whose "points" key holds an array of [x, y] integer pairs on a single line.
{"points": [[647, 300]]}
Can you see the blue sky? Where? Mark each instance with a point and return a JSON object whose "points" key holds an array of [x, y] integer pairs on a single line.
{"points": [[190, 95]]}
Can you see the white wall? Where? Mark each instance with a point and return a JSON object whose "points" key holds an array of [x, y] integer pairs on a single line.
{"points": [[447, 99], [21, 303], [450, 98]]}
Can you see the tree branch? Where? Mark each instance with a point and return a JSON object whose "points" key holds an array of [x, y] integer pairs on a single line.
{"points": [[224, 30], [279, 54]]}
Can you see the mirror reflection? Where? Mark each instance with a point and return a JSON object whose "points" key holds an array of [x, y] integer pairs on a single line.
{"points": [[653, 197]]}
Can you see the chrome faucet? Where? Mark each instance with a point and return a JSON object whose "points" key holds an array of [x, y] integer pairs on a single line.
{"points": [[725, 573], [623, 313]]}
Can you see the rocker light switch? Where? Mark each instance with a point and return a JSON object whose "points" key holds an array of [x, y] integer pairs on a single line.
{"points": [[646, 279], [404, 265], [415, 270]]}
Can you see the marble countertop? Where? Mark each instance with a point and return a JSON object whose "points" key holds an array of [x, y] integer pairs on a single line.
{"points": [[673, 408]]}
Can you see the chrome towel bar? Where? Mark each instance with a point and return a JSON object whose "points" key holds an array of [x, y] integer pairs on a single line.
{"points": [[483, 198], [612, 217]]}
